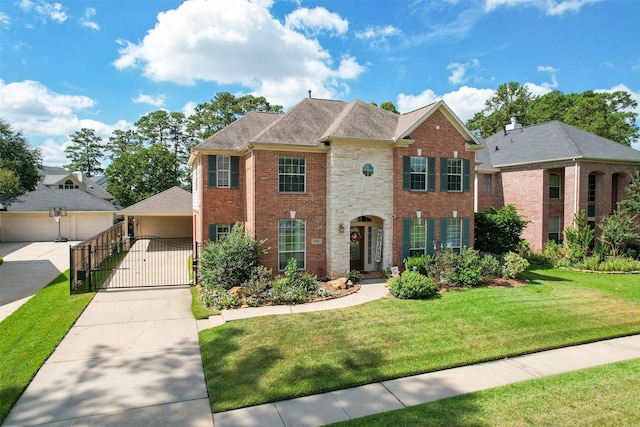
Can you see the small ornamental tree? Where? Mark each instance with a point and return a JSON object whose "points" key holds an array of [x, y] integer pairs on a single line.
{"points": [[618, 230], [633, 191], [498, 231], [230, 261], [578, 237]]}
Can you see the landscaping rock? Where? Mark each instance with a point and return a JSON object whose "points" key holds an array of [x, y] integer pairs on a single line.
{"points": [[338, 284]]}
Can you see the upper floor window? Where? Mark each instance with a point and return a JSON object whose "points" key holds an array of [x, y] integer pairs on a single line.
{"points": [[68, 185], [486, 184], [224, 171], [554, 186], [291, 174], [418, 173], [455, 175]]}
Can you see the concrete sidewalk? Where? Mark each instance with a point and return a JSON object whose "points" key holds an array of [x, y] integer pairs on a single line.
{"points": [[341, 405], [131, 359]]}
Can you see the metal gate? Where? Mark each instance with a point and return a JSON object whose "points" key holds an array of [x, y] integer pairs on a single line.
{"points": [[138, 262]]}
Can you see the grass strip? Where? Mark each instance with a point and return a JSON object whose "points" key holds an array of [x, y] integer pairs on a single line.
{"points": [[31, 334], [274, 358], [601, 396], [198, 308]]}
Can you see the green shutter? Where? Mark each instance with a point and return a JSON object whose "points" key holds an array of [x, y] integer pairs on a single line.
{"points": [[406, 238], [212, 232], [443, 232], [431, 230], [443, 174], [431, 174], [213, 161], [235, 172], [406, 173], [466, 175], [466, 228]]}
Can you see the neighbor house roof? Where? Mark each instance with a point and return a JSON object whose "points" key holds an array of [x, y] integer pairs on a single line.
{"points": [[550, 142], [314, 121], [42, 199], [174, 201]]}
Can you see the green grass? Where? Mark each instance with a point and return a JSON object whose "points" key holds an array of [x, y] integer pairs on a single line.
{"points": [[198, 308], [31, 333], [601, 396], [273, 358]]}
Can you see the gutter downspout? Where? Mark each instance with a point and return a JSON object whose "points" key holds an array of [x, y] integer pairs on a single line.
{"points": [[575, 189]]}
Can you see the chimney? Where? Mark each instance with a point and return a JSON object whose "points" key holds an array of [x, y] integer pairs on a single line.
{"points": [[513, 125]]}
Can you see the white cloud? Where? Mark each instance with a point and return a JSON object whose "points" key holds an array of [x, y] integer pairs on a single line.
{"points": [[458, 71], [553, 72], [5, 20], [53, 11], [378, 35], [314, 21], [235, 42], [465, 102], [156, 101], [549, 7], [189, 108], [86, 20]]}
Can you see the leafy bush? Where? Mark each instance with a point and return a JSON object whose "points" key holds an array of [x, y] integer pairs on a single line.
{"points": [[613, 263], [514, 264], [220, 299], [465, 269], [490, 268], [412, 285], [355, 276], [619, 230], [417, 263], [282, 292], [578, 237], [258, 282], [229, 262], [498, 230]]}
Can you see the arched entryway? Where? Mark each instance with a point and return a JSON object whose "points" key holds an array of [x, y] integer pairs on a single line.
{"points": [[365, 243]]}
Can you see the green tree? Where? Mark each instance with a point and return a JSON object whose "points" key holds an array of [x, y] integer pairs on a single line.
{"points": [[618, 230], [498, 231], [578, 237], [223, 110], [511, 100], [121, 141], [633, 192], [85, 152], [141, 172], [9, 184], [18, 156]]}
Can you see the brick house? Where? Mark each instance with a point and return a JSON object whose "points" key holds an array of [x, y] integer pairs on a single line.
{"points": [[338, 185], [550, 171]]}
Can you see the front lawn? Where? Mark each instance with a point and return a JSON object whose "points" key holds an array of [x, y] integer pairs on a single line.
{"points": [[601, 396], [31, 333], [274, 358]]}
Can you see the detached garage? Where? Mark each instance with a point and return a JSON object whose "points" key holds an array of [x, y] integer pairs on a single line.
{"points": [[168, 214], [26, 218]]}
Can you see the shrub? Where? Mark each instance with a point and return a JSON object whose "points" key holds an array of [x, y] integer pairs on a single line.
{"points": [[416, 263], [490, 268], [618, 230], [220, 299], [578, 237], [229, 262], [514, 264], [258, 282], [282, 292], [412, 285], [498, 230], [355, 276], [465, 270]]}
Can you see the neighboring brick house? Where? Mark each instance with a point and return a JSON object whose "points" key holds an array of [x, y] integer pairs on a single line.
{"points": [[338, 185], [549, 172]]}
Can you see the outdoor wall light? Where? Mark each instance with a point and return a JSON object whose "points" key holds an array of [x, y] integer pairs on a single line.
{"points": [[418, 214], [341, 228]]}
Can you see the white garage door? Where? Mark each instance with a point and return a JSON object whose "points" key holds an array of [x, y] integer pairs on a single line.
{"points": [[39, 227]]}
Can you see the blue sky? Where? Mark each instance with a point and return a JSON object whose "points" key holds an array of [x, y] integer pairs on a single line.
{"points": [[102, 64]]}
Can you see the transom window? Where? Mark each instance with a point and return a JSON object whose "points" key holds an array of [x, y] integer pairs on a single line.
{"points": [[417, 237], [291, 174], [291, 242], [554, 186], [454, 234], [454, 174], [223, 171], [418, 173]]}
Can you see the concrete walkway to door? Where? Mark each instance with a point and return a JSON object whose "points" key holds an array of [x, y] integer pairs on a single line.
{"points": [[131, 359]]}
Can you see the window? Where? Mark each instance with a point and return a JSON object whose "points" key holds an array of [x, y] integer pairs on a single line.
{"points": [[223, 168], [591, 197], [453, 240], [455, 175], [417, 237], [218, 231], [554, 186], [223, 171], [486, 184], [418, 173], [68, 185], [291, 242], [367, 169], [554, 228], [291, 174]]}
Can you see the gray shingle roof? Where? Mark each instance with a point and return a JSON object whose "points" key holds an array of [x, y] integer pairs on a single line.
{"points": [[42, 199], [175, 201], [550, 141], [312, 121]]}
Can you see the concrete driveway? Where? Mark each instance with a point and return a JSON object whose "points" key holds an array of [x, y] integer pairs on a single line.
{"points": [[27, 268]]}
